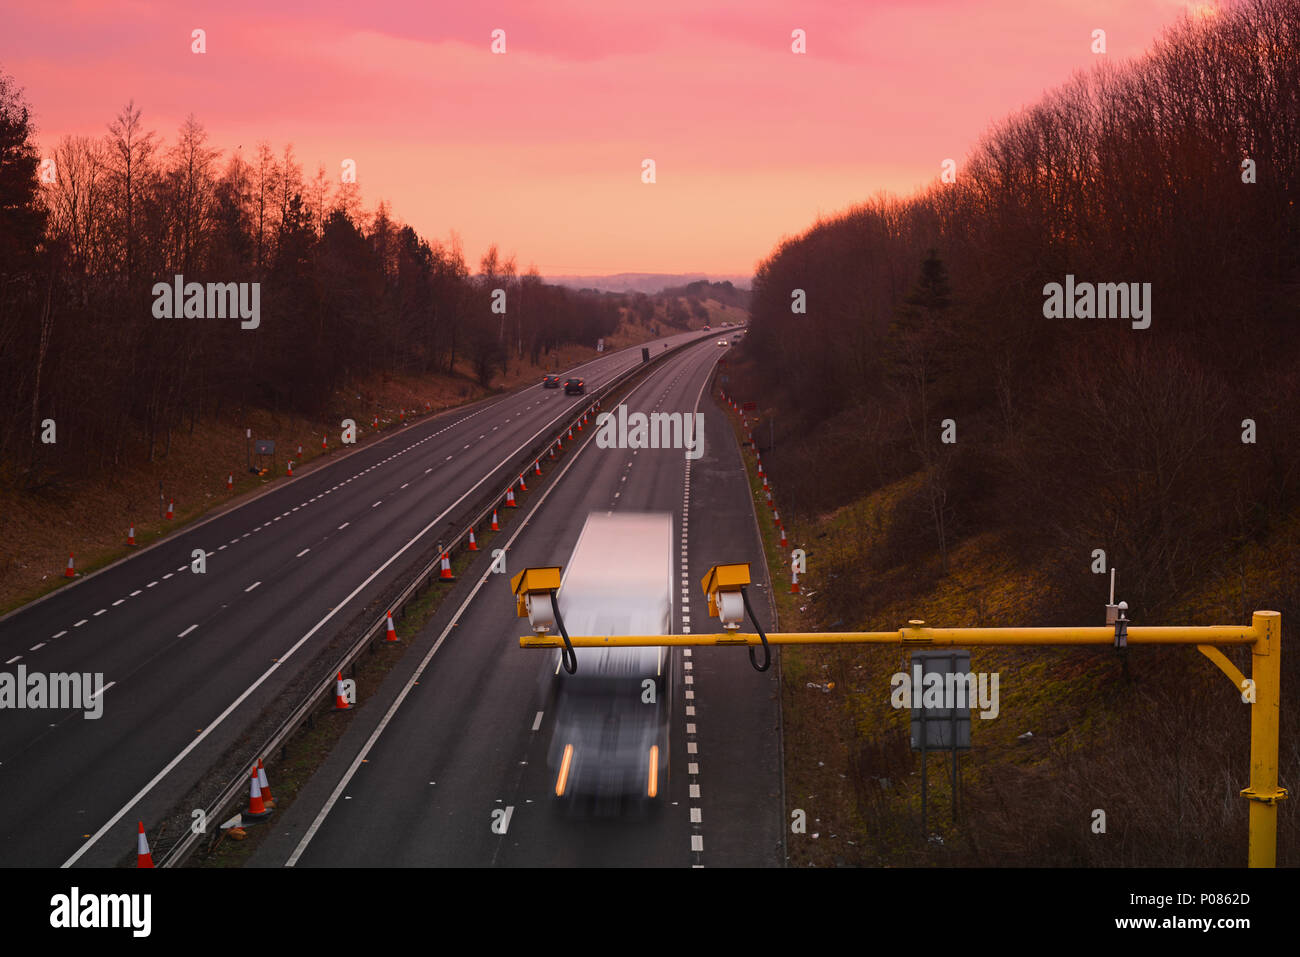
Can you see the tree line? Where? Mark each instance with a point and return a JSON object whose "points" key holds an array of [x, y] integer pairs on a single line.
{"points": [[923, 348], [89, 226]]}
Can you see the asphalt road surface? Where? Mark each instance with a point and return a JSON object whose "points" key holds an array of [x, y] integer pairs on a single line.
{"points": [[189, 660], [420, 782]]}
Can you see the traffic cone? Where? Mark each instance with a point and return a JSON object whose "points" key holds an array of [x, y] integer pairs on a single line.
{"points": [[142, 856], [392, 632], [262, 783], [552, 453], [445, 575], [256, 806], [784, 543], [340, 699], [401, 414], [375, 424], [291, 466], [300, 450], [68, 572], [580, 425], [495, 526], [230, 482], [473, 545], [324, 443], [537, 466], [794, 582], [559, 443], [570, 433], [765, 485], [776, 518], [171, 509], [510, 498], [130, 536], [522, 486]]}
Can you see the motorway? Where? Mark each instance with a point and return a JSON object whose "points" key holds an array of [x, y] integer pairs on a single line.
{"points": [[190, 660], [456, 739]]}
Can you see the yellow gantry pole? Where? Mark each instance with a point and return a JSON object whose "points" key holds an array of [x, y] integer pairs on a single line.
{"points": [[1264, 793], [1264, 636]]}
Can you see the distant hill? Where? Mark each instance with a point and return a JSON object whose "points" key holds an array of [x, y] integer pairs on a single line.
{"points": [[647, 282]]}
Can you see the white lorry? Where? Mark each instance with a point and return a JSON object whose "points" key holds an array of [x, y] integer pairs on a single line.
{"points": [[612, 729]]}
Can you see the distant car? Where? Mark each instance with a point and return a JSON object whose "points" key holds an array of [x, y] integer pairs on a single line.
{"points": [[722, 342], [551, 382], [574, 387], [706, 327]]}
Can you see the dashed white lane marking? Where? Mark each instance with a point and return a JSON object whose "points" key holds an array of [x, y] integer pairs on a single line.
{"points": [[252, 586], [187, 631], [100, 612], [377, 504], [118, 602], [692, 748], [343, 526], [302, 553], [692, 768], [537, 721], [222, 548], [694, 791], [697, 818], [404, 484], [134, 593], [102, 690], [13, 659], [36, 647], [59, 635], [80, 623], [427, 471], [151, 584], [168, 575]]}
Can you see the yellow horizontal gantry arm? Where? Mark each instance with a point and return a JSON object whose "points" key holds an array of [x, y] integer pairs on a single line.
{"points": [[923, 635]]}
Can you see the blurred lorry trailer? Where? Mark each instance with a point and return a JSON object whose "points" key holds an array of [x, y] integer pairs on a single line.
{"points": [[611, 729]]}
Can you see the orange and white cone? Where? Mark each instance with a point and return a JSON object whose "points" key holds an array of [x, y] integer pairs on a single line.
{"points": [[291, 466], [69, 572], [445, 575], [300, 451], [510, 498], [256, 806], [473, 545], [392, 632], [537, 466], [570, 433], [324, 443], [130, 536], [559, 443], [171, 509], [230, 482], [784, 543], [375, 424], [794, 582], [341, 702], [495, 527], [522, 486], [142, 856], [262, 783], [552, 453]]}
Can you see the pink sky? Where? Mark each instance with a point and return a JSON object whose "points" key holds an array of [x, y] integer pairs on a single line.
{"points": [[540, 149]]}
